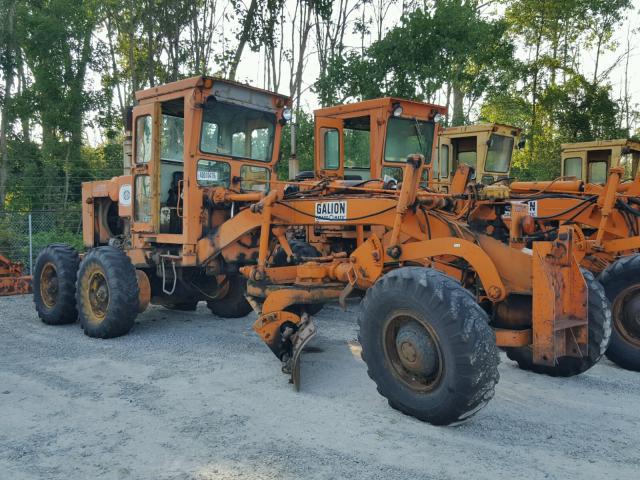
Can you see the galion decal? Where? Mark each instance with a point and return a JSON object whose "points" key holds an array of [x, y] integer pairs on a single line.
{"points": [[331, 211]]}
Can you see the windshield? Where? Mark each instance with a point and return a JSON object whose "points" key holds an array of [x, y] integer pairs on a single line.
{"points": [[236, 131], [499, 154], [407, 136], [629, 161]]}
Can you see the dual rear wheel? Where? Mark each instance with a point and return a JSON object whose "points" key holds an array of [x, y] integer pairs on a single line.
{"points": [[101, 291]]}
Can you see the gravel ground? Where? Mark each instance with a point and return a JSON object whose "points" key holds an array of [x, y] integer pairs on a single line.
{"points": [[191, 396]]}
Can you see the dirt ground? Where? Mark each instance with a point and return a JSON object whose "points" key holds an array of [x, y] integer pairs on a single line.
{"points": [[192, 396]]}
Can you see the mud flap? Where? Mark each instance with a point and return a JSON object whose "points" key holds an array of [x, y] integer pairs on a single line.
{"points": [[560, 301]]}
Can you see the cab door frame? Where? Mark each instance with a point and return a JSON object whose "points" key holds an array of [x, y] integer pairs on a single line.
{"points": [[322, 126], [149, 168]]}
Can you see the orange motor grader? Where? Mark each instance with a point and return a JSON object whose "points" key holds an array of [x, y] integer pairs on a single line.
{"points": [[202, 150], [439, 295]]}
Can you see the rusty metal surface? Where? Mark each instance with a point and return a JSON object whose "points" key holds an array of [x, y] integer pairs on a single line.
{"points": [[560, 316], [12, 280]]}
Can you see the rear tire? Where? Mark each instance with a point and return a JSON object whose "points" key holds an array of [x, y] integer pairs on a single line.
{"points": [[428, 345], [107, 293], [233, 304], [599, 336], [54, 284], [621, 282]]}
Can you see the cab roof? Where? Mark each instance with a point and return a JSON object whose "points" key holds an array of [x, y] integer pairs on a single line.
{"points": [[199, 81], [480, 128], [429, 109], [600, 144]]}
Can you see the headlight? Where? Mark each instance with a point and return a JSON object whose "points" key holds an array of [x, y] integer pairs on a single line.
{"points": [[437, 117], [287, 114], [397, 109]]}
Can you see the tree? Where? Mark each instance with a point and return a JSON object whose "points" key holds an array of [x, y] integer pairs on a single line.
{"points": [[8, 63], [450, 46]]}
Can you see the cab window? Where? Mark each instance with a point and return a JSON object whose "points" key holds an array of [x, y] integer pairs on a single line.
{"points": [[573, 167], [237, 131], [172, 138], [444, 161], [331, 148], [211, 173], [254, 178], [598, 165], [597, 172], [406, 136], [142, 200], [499, 153], [144, 127], [629, 161], [357, 148], [464, 151]]}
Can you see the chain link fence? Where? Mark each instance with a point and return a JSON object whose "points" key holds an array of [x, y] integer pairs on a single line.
{"points": [[23, 235]]}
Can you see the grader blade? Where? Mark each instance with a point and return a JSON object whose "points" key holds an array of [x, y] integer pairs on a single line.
{"points": [[560, 315], [300, 339]]}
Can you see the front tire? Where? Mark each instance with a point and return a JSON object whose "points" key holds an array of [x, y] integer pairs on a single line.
{"points": [[599, 336], [233, 304], [428, 345], [54, 284], [107, 293], [621, 282]]}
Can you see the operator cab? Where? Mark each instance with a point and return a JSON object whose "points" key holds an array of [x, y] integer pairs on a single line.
{"points": [[370, 140], [195, 134], [591, 161], [485, 147]]}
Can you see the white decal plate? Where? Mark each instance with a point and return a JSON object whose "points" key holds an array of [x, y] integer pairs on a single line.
{"points": [[331, 211], [124, 197], [207, 176], [533, 209]]}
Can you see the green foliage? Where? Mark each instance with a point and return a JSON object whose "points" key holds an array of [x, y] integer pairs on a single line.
{"points": [[448, 45], [304, 145]]}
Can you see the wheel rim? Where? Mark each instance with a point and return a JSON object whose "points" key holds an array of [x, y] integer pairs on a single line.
{"points": [[626, 314], [98, 293], [49, 285], [412, 348]]}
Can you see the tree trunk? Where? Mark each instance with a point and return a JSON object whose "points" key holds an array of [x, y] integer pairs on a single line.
{"points": [[458, 106], [8, 67], [247, 26]]}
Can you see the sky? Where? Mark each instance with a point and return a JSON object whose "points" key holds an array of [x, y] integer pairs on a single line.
{"points": [[247, 70]]}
